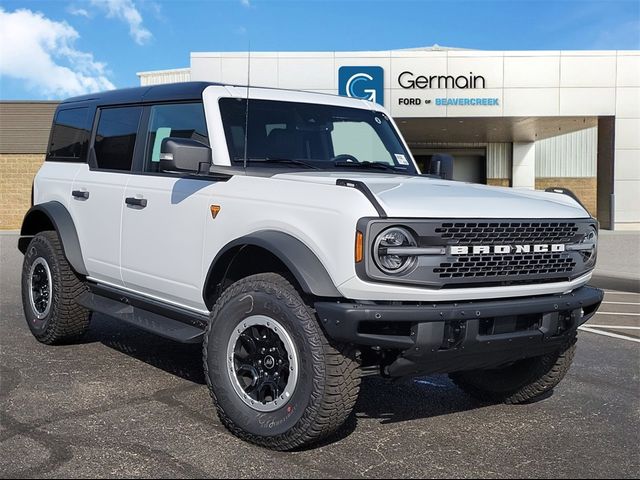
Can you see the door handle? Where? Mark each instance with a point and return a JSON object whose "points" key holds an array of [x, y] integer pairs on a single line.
{"points": [[80, 194], [136, 202]]}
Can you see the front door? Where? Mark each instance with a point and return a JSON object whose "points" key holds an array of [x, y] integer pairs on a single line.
{"points": [[165, 215]]}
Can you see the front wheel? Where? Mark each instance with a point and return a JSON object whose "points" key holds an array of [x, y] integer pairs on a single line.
{"points": [[275, 378], [520, 382]]}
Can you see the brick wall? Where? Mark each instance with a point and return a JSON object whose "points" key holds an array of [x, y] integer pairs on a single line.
{"points": [[16, 176], [498, 182], [585, 188]]}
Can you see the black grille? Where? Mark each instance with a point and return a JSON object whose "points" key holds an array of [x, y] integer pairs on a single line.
{"points": [[483, 266], [506, 233]]}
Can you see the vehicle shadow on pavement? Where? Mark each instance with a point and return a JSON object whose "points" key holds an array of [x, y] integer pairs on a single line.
{"points": [[393, 401], [181, 360], [387, 400]]}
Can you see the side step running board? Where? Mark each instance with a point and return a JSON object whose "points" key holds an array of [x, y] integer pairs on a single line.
{"points": [[151, 322]]}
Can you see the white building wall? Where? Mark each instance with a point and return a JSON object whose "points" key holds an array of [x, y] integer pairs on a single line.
{"points": [[524, 166], [627, 141]]}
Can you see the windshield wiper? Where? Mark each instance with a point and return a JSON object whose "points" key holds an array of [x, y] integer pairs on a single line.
{"points": [[280, 160], [379, 165]]}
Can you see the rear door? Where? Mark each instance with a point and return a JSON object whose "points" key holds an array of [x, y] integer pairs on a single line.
{"points": [[163, 223], [98, 191]]}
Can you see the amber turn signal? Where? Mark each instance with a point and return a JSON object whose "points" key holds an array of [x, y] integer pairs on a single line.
{"points": [[215, 209], [359, 247]]}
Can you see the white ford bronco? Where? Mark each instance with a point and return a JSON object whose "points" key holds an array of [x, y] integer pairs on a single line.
{"points": [[293, 235]]}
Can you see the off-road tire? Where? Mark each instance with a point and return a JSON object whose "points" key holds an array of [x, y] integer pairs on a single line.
{"points": [[329, 379], [66, 321], [520, 382]]}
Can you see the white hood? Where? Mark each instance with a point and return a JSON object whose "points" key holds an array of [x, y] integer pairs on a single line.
{"points": [[414, 196]]}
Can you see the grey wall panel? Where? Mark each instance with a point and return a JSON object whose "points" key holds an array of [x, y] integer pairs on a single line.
{"points": [[571, 155], [499, 160], [25, 126]]}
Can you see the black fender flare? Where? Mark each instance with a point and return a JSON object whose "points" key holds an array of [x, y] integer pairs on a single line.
{"points": [[60, 218], [305, 266]]}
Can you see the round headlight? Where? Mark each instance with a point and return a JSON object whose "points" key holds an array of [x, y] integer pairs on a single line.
{"points": [[387, 250], [590, 240]]}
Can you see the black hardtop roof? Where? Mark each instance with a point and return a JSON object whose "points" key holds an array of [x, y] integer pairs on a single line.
{"points": [[151, 93]]}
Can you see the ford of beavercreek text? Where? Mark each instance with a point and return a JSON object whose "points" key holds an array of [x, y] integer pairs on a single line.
{"points": [[294, 237]]}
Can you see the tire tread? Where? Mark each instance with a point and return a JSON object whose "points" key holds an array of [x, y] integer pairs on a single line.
{"points": [[336, 379], [545, 374], [69, 320]]}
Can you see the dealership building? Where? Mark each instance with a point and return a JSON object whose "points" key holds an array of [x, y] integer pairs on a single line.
{"points": [[531, 119], [524, 119]]}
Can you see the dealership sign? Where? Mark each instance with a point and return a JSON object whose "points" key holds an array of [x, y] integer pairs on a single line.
{"points": [[362, 82], [368, 83], [409, 80]]}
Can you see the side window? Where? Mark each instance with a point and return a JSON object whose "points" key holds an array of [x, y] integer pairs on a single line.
{"points": [[116, 137], [70, 136], [182, 120]]}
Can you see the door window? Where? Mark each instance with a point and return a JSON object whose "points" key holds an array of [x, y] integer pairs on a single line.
{"points": [[116, 137], [182, 120]]}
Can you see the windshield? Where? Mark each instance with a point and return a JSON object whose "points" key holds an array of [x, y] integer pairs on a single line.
{"points": [[312, 136]]}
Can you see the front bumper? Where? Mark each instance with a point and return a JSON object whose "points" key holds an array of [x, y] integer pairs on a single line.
{"points": [[448, 337]]}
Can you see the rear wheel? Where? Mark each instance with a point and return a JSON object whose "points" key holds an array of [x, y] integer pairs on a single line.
{"points": [[519, 382], [50, 288], [275, 378]]}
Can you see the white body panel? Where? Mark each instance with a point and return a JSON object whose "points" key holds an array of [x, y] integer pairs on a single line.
{"points": [[162, 243], [98, 219], [164, 250], [54, 182], [424, 197]]}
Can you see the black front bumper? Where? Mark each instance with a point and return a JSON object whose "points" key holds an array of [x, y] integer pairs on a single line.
{"points": [[448, 337]]}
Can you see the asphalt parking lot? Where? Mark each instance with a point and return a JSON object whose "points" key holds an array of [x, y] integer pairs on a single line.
{"points": [[124, 403]]}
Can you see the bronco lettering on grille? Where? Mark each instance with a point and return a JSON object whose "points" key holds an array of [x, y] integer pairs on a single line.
{"points": [[504, 249]]}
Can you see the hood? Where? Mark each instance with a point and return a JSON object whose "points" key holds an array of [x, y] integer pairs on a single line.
{"points": [[421, 196]]}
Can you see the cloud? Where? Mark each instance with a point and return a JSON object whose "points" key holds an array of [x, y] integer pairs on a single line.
{"points": [[42, 54], [246, 3], [78, 12], [126, 11]]}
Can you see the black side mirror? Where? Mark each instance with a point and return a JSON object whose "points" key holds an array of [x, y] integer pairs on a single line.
{"points": [[441, 165], [184, 155]]}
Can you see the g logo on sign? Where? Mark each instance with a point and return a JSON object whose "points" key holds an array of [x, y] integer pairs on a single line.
{"points": [[362, 82]]}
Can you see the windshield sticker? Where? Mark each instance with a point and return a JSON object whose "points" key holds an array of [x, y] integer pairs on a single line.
{"points": [[402, 160]]}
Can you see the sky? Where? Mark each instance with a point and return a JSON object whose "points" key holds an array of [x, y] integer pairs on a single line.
{"points": [[53, 49]]}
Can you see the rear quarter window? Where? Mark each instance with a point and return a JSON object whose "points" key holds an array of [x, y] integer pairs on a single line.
{"points": [[70, 135]]}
